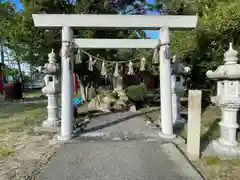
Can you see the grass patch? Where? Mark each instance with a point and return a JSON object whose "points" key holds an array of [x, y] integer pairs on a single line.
{"points": [[19, 116], [33, 93], [211, 160], [218, 169], [4, 152]]}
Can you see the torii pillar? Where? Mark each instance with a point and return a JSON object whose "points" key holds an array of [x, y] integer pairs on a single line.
{"points": [[67, 84], [165, 85]]}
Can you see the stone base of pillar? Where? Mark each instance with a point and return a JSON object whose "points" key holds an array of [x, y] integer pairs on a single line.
{"points": [[47, 129], [66, 138], [50, 123], [179, 122], [223, 149], [167, 136]]}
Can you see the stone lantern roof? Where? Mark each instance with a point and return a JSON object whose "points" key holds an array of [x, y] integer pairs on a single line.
{"points": [[178, 68], [51, 67], [230, 70]]}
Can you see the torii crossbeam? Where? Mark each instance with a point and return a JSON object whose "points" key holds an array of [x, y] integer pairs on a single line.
{"points": [[116, 43], [151, 22]]}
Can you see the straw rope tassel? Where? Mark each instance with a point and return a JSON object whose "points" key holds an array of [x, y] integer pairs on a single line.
{"points": [[130, 68], [116, 73], [90, 64], [78, 57], [142, 64], [103, 70], [155, 56]]}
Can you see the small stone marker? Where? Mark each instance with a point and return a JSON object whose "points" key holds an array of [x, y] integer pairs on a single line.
{"points": [[132, 108], [194, 124]]}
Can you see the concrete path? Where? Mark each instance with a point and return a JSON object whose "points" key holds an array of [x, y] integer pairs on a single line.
{"points": [[118, 147], [120, 125]]}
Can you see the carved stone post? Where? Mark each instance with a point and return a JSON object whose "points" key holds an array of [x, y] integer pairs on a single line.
{"points": [[51, 90], [228, 99], [178, 72]]}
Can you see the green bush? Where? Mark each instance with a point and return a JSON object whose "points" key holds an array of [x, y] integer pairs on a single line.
{"points": [[109, 93], [137, 92]]}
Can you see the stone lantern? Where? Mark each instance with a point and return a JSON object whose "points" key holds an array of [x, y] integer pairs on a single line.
{"points": [[178, 72], [228, 99], [51, 90]]}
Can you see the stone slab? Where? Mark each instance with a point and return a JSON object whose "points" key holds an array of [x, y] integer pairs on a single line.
{"points": [[194, 124], [118, 160]]}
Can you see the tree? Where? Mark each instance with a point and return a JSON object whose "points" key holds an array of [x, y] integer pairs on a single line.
{"points": [[218, 24]]}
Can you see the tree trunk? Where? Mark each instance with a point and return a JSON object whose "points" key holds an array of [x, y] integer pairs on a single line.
{"points": [[31, 76], [2, 61], [20, 73], [2, 55]]}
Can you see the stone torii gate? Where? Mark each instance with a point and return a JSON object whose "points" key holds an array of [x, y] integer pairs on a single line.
{"points": [[148, 22]]}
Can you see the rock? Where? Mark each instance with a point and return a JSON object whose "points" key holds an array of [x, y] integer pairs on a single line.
{"points": [[132, 108], [122, 95], [94, 103], [109, 99], [107, 103], [91, 93], [105, 107], [119, 105]]}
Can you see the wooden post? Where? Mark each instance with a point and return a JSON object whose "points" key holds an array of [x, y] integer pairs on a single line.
{"points": [[194, 124]]}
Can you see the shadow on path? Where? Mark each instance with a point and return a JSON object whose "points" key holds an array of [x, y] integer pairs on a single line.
{"points": [[112, 122]]}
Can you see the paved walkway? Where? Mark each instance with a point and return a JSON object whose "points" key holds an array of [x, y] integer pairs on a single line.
{"points": [[118, 147]]}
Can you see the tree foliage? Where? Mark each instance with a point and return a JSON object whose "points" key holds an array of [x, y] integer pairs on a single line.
{"points": [[202, 48], [32, 44]]}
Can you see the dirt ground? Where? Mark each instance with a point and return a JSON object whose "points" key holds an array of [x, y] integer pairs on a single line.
{"points": [[212, 168], [22, 150]]}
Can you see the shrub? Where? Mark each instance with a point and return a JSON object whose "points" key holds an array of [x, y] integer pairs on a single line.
{"points": [[113, 95], [137, 92]]}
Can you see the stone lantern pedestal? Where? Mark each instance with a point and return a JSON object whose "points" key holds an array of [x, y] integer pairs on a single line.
{"points": [[178, 72], [51, 90], [228, 99]]}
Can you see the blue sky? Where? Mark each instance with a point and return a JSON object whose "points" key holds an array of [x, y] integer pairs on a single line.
{"points": [[152, 34]]}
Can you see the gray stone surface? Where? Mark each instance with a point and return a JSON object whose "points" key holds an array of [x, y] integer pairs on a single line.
{"points": [[118, 146], [123, 125], [116, 160]]}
